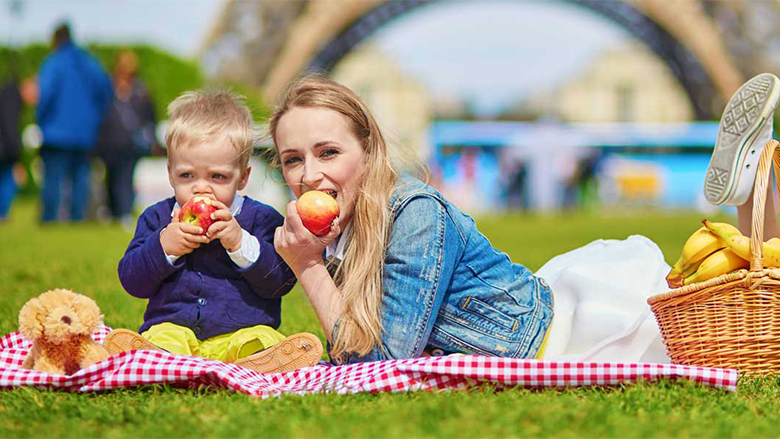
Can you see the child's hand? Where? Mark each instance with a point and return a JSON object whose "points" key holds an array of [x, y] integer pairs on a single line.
{"points": [[225, 228], [180, 238], [300, 248]]}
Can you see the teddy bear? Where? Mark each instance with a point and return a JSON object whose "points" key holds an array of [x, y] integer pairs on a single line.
{"points": [[59, 323]]}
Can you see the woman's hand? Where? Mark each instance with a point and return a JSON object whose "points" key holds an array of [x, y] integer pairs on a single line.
{"points": [[225, 228], [180, 238], [302, 251], [300, 248]]}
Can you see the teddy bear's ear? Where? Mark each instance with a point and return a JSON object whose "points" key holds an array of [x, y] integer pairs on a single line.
{"points": [[88, 312], [31, 319]]}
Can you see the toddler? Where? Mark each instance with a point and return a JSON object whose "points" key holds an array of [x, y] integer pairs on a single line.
{"points": [[218, 294]]}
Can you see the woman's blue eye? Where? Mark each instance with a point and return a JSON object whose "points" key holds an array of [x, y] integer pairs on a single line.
{"points": [[330, 152], [291, 160]]}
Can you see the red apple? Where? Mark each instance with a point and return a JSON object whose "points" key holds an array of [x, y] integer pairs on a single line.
{"points": [[317, 210], [198, 212]]}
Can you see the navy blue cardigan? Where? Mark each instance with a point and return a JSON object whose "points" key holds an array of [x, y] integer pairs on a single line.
{"points": [[204, 290]]}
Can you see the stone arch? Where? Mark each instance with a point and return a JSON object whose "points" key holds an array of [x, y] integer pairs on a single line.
{"points": [[680, 33]]}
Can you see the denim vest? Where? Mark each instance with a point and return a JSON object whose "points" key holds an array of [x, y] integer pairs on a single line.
{"points": [[446, 287]]}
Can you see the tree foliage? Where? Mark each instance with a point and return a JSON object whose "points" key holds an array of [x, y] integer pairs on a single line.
{"points": [[165, 75]]}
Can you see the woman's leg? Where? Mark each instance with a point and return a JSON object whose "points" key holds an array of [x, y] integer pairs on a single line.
{"points": [[745, 216], [744, 129]]}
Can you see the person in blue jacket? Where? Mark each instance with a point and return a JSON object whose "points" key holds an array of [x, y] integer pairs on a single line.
{"points": [[74, 94], [213, 293]]}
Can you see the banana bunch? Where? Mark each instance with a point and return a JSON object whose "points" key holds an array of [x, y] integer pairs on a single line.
{"points": [[716, 249], [705, 255], [740, 244]]}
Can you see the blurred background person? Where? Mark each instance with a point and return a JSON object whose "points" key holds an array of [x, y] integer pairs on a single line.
{"points": [[13, 95], [74, 94], [10, 141], [127, 133]]}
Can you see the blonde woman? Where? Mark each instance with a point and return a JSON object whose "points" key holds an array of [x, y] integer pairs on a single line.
{"points": [[407, 273]]}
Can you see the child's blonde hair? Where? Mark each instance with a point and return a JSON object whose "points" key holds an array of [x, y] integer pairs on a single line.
{"points": [[206, 115], [359, 276]]}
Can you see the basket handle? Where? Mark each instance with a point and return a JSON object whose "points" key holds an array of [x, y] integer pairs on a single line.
{"points": [[770, 153]]}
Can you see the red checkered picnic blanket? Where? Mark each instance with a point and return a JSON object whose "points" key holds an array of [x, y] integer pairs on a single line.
{"points": [[432, 373]]}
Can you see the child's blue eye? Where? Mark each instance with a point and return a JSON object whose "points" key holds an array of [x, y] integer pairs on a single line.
{"points": [[219, 176], [185, 175]]}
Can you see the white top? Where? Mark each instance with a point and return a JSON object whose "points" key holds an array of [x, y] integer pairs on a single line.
{"points": [[335, 249]]}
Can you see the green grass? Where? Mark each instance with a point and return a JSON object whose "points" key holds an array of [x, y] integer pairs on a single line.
{"points": [[84, 258]]}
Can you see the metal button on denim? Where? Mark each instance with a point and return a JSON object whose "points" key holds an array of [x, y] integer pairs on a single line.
{"points": [[202, 302]]}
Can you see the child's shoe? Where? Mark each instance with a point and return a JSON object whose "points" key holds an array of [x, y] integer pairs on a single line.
{"points": [[121, 340], [745, 127], [294, 352]]}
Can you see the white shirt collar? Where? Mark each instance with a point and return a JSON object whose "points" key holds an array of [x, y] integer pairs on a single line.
{"points": [[235, 207], [336, 247]]}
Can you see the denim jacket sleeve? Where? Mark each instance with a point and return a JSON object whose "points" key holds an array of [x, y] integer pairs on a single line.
{"points": [[419, 264]]}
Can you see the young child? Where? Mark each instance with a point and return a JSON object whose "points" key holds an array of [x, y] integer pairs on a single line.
{"points": [[216, 295]]}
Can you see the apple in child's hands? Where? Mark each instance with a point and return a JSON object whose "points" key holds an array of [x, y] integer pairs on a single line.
{"points": [[317, 210], [198, 212]]}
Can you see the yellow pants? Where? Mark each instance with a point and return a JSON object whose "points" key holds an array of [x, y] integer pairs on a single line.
{"points": [[226, 347]]}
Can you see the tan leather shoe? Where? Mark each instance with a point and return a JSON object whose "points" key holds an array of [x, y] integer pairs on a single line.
{"points": [[121, 340], [292, 353]]}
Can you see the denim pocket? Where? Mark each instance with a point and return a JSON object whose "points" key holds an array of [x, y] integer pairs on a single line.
{"points": [[463, 339], [473, 315], [483, 310]]}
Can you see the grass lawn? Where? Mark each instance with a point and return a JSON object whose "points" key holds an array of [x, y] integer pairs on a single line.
{"points": [[84, 258]]}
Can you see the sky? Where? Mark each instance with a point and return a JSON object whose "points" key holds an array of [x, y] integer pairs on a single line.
{"points": [[513, 48], [179, 26], [490, 52]]}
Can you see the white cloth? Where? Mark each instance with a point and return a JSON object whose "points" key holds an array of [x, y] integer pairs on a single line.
{"points": [[600, 296], [249, 251]]}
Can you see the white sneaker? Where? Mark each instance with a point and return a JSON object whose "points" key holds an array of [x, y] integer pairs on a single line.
{"points": [[745, 127]]}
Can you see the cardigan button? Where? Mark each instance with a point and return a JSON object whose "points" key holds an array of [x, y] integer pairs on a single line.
{"points": [[196, 330], [202, 302]]}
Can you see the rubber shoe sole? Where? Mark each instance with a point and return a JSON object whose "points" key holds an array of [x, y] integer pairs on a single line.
{"points": [[292, 353], [123, 340], [732, 168]]}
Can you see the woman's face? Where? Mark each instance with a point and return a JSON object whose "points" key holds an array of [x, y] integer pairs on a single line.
{"points": [[318, 150]]}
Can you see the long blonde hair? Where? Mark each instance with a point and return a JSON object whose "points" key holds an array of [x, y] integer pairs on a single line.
{"points": [[359, 277]]}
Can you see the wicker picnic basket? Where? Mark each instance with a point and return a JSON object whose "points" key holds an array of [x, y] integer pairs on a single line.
{"points": [[732, 321]]}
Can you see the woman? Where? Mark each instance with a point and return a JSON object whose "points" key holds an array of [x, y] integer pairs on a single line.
{"points": [[412, 274], [126, 134]]}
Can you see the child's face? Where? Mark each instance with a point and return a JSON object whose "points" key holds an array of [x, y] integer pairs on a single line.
{"points": [[209, 169], [318, 151]]}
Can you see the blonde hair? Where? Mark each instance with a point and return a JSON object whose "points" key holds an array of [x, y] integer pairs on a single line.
{"points": [[206, 115], [359, 277]]}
